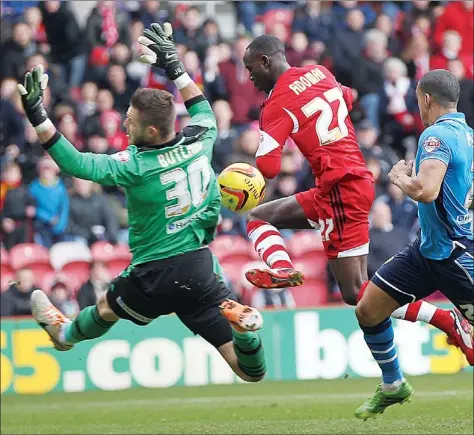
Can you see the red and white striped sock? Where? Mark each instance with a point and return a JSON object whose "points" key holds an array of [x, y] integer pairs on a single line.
{"points": [[425, 312], [269, 244]]}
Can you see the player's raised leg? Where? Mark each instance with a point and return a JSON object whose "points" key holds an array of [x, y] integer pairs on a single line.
{"points": [[263, 224], [92, 322], [373, 312]]}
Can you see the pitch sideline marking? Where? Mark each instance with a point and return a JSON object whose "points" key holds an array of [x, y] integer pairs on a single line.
{"points": [[225, 399]]}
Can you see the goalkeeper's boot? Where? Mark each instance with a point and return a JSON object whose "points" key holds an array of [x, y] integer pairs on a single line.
{"points": [[462, 336], [383, 399], [241, 317], [49, 318], [274, 278]]}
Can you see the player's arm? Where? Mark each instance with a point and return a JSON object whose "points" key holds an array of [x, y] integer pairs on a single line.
{"points": [[276, 125], [161, 52], [426, 184], [100, 168]]}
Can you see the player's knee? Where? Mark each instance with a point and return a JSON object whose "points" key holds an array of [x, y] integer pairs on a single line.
{"points": [[257, 214], [366, 316], [349, 295], [104, 309]]}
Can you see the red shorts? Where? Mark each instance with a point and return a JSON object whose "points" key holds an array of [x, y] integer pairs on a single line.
{"points": [[342, 216]]}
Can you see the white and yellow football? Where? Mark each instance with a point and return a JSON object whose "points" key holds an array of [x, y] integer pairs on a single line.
{"points": [[242, 187]]}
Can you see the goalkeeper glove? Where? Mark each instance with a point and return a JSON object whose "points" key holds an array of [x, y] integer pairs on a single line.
{"points": [[31, 92], [162, 50]]}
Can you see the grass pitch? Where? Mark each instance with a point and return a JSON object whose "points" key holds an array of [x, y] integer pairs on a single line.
{"points": [[443, 404]]}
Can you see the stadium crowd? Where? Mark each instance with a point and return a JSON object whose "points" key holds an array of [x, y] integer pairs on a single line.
{"points": [[379, 49]]}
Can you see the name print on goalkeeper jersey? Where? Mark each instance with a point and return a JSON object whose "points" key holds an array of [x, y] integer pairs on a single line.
{"points": [[173, 199]]}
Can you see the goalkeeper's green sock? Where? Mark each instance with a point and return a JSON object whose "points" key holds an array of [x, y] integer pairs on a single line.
{"points": [[250, 355], [86, 326]]}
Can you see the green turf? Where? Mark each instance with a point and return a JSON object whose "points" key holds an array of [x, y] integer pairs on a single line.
{"points": [[441, 405]]}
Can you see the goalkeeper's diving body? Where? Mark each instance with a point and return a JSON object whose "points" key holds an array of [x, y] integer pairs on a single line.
{"points": [[173, 203]]}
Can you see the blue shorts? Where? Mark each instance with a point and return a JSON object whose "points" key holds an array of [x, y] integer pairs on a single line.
{"points": [[408, 276]]}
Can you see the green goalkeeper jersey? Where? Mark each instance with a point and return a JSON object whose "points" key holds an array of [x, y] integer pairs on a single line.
{"points": [[173, 199]]}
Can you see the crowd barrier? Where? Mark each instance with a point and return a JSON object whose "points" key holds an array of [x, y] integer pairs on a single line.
{"points": [[302, 344]]}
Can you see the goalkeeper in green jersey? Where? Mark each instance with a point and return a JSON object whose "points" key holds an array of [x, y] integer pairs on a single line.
{"points": [[173, 205]]}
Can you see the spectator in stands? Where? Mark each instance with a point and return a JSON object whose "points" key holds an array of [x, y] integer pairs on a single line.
{"points": [[17, 207], [226, 135], [152, 11], [120, 54], [210, 37], [246, 146], [368, 74], [299, 49], [98, 283], [466, 95], [12, 131], [458, 16], [104, 103], [52, 204], [13, 10], [373, 165], [416, 56], [87, 103], [367, 137], [248, 11], [62, 298], [404, 210], [111, 125], [67, 125], [450, 50], [347, 45], [33, 18], [343, 9], [16, 300], [66, 40], [31, 154], [385, 239], [14, 51], [105, 26], [312, 22], [398, 103], [242, 95], [56, 85], [90, 215], [121, 87], [98, 144], [384, 24], [191, 30], [214, 85]]}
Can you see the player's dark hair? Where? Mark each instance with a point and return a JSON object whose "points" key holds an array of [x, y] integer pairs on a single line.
{"points": [[442, 86], [268, 45], [156, 108]]}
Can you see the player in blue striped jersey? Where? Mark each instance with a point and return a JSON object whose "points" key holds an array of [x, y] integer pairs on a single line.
{"points": [[441, 258]]}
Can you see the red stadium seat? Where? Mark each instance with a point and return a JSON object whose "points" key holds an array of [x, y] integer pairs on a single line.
{"points": [[313, 267], [232, 249], [311, 294], [65, 253], [116, 257], [31, 256], [305, 244], [5, 266]]}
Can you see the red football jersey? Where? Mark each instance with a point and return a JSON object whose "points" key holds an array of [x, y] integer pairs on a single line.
{"points": [[310, 106]]}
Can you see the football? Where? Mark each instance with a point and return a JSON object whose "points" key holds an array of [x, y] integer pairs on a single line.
{"points": [[242, 187]]}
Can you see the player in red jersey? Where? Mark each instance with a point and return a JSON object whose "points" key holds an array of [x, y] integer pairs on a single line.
{"points": [[310, 106]]}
